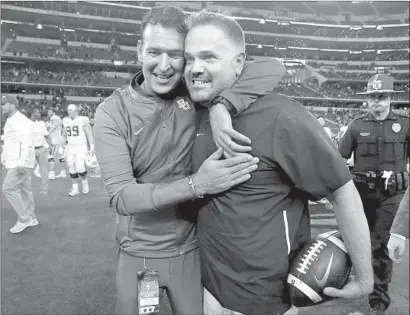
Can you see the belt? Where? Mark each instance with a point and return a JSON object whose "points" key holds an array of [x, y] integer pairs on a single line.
{"points": [[39, 147]]}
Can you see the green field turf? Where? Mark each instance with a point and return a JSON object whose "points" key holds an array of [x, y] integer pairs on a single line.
{"points": [[66, 265]]}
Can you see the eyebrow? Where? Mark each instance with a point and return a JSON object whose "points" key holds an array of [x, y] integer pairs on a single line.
{"points": [[166, 50], [203, 52]]}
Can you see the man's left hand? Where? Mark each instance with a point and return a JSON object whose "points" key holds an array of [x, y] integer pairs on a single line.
{"points": [[352, 290], [396, 247], [224, 135]]}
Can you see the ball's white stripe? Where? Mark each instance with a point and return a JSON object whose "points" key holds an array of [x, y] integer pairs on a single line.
{"points": [[303, 287], [327, 234], [338, 243]]}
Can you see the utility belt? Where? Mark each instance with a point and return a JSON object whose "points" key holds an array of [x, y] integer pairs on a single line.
{"points": [[387, 183]]}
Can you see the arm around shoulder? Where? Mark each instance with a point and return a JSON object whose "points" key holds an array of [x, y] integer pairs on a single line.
{"points": [[258, 78]]}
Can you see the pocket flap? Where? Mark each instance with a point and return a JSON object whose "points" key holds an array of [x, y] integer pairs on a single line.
{"points": [[366, 140], [393, 139]]}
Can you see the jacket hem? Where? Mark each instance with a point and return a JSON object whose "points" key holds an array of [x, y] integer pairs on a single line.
{"points": [[169, 253]]}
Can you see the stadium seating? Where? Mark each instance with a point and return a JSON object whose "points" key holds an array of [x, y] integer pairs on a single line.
{"points": [[75, 63]]}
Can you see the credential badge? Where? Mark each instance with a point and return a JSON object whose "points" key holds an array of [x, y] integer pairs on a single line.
{"points": [[396, 127], [183, 104]]}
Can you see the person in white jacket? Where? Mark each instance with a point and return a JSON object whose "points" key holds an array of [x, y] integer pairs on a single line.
{"points": [[18, 158]]}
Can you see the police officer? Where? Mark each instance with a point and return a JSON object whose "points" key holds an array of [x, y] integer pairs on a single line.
{"points": [[380, 143]]}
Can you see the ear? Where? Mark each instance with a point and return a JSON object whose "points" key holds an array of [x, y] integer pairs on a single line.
{"points": [[239, 63], [139, 51]]}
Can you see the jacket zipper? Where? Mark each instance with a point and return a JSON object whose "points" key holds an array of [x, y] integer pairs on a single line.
{"points": [[166, 136]]}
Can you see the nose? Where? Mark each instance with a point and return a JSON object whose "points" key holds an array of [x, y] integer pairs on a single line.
{"points": [[164, 63], [197, 67]]}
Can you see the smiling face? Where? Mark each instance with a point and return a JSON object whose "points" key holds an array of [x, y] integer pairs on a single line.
{"points": [[213, 62], [162, 56]]}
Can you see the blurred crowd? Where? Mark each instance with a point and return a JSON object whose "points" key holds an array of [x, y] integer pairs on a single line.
{"points": [[342, 90], [58, 103], [84, 52], [63, 76], [360, 67], [334, 74], [278, 47]]}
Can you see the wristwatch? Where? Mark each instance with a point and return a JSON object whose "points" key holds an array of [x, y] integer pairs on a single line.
{"points": [[229, 107]]}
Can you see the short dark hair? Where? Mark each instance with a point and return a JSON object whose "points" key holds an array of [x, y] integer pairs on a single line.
{"points": [[223, 21], [168, 16]]}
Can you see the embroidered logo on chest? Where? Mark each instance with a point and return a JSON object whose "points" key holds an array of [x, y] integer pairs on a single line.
{"points": [[365, 134], [183, 104]]}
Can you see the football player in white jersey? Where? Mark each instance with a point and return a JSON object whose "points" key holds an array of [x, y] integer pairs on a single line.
{"points": [[54, 125], [78, 136]]}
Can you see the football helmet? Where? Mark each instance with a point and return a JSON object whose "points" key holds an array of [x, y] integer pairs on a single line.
{"points": [[91, 161]]}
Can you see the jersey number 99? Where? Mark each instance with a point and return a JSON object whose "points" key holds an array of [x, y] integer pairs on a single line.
{"points": [[72, 131]]}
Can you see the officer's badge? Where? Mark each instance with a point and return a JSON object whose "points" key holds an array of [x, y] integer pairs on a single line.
{"points": [[377, 85], [183, 104], [396, 127]]}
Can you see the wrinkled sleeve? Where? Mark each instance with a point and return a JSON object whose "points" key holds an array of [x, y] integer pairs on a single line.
{"points": [[113, 155], [25, 134], [401, 221], [258, 78], [347, 144], [307, 156]]}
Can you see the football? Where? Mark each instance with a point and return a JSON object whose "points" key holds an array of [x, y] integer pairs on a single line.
{"points": [[322, 263]]}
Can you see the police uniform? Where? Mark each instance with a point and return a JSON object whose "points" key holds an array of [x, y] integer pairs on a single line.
{"points": [[381, 150]]}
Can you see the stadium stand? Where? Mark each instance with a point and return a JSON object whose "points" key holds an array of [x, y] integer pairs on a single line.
{"points": [[59, 52]]}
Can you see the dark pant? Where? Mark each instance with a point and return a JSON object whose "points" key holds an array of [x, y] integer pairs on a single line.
{"points": [[380, 214], [180, 276]]}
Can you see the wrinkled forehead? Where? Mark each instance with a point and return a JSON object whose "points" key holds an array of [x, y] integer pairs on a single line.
{"points": [[208, 38], [158, 36]]}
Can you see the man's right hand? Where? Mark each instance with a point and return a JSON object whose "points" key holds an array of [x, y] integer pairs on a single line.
{"points": [[215, 175], [352, 290]]}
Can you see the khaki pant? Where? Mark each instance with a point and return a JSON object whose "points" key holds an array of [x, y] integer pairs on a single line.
{"points": [[42, 160], [17, 190], [213, 307]]}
